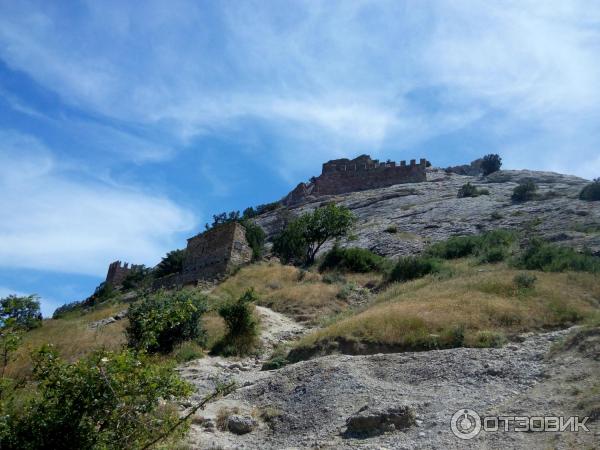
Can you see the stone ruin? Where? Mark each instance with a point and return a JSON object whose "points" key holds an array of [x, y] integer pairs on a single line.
{"points": [[210, 256], [340, 176], [117, 272]]}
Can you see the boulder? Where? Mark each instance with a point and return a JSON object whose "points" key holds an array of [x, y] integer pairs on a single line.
{"points": [[238, 424], [367, 421]]}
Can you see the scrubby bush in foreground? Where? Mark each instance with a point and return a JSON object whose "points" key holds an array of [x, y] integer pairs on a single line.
{"points": [[103, 401], [242, 326], [412, 267], [591, 192], [160, 321], [352, 259]]}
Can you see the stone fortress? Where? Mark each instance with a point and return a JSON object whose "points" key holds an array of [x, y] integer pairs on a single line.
{"points": [[209, 256], [340, 176], [217, 252]]}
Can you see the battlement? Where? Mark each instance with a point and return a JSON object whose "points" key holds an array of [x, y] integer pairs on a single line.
{"points": [[344, 175], [118, 271]]}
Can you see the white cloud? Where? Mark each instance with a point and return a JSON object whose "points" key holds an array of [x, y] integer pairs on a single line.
{"points": [[341, 73], [55, 221]]}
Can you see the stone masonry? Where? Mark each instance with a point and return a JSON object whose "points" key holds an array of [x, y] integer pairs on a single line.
{"points": [[117, 272], [340, 176], [211, 255]]}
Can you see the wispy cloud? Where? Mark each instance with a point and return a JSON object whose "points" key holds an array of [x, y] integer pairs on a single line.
{"points": [[59, 222], [343, 72]]}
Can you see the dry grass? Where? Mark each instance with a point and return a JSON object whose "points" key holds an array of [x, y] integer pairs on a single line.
{"points": [[475, 303], [72, 337], [286, 289]]}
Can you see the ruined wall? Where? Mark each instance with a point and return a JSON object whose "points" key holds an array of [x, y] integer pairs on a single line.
{"points": [[117, 272], [340, 176], [211, 255]]}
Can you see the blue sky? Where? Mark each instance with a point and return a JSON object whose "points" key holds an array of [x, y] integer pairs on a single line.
{"points": [[125, 125]]}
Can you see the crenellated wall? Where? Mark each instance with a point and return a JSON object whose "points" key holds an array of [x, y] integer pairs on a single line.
{"points": [[340, 176], [117, 272]]}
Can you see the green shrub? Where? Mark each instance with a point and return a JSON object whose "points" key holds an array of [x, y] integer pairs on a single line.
{"points": [[188, 351], [160, 321], [524, 280], [333, 278], [468, 190], [412, 267], [496, 216], [103, 401], [352, 260], [23, 312], [491, 246], [393, 229], [491, 163], [170, 264], [139, 277], [591, 192], [547, 257], [487, 339], [242, 327], [524, 191], [255, 236]]}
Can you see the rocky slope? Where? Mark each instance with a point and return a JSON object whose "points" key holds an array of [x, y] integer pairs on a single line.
{"points": [[401, 401], [426, 212]]}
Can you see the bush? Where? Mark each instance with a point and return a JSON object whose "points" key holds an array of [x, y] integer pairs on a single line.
{"points": [[393, 229], [487, 339], [524, 280], [103, 401], [160, 321], [412, 267], [591, 192], [170, 264], [188, 351], [23, 312], [524, 191], [547, 257], [255, 236], [242, 327], [492, 246], [303, 237], [65, 309], [491, 163], [468, 190], [352, 260], [138, 278]]}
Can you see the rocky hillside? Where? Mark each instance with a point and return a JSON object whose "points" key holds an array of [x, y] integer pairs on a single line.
{"points": [[404, 218]]}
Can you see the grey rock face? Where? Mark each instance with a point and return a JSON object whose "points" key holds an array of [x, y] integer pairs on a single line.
{"points": [[422, 213], [241, 424]]}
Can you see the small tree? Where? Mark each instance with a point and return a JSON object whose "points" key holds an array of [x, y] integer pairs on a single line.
{"points": [[171, 263], [491, 163], [591, 192], [25, 311], [255, 236], [162, 320], [242, 326], [303, 237]]}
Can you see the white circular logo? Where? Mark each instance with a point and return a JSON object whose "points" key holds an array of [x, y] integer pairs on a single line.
{"points": [[465, 424]]}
